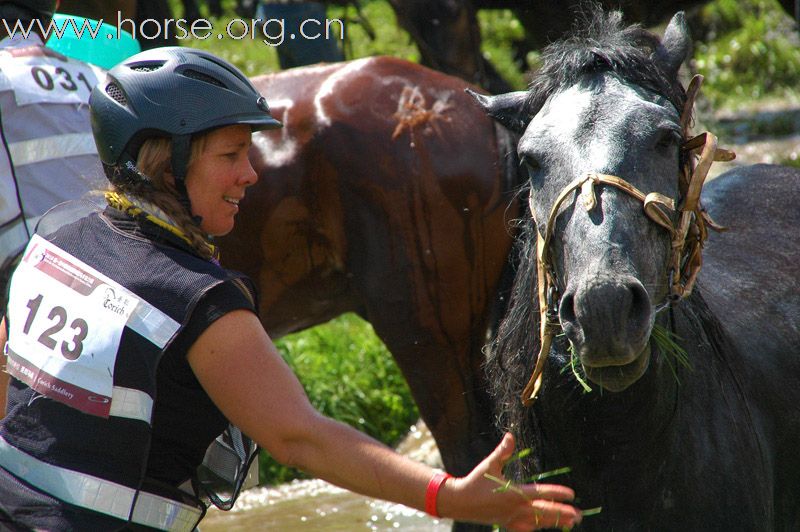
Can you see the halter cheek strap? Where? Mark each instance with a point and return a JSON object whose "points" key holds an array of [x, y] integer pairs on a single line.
{"points": [[687, 236]]}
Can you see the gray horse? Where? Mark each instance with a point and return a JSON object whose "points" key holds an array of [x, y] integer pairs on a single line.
{"points": [[657, 445]]}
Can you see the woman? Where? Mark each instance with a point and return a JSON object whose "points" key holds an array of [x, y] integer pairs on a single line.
{"points": [[132, 349]]}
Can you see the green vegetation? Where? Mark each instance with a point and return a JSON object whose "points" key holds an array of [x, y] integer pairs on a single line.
{"points": [[499, 29], [750, 51], [746, 49], [348, 375], [791, 162]]}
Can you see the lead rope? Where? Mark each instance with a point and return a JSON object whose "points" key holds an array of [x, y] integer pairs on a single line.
{"points": [[687, 238]]}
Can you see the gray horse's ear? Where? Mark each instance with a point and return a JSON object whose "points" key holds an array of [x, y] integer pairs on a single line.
{"points": [[508, 109], [675, 45]]}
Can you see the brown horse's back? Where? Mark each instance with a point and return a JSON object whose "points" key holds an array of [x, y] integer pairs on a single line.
{"points": [[384, 194]]}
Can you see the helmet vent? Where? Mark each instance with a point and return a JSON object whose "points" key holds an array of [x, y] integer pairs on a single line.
{"points": [[146, 68], [200, 76], [113, 90]]}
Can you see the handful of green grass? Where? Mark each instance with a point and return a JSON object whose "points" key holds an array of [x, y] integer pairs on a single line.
{"points": [[504, 485]]}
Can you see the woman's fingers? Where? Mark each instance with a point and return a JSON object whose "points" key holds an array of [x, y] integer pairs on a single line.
{"points": [[525, 506], [553, 492], [541, 514], [551, 514], [503, 452]]}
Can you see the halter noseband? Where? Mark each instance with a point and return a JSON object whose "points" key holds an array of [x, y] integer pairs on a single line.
{"points": [[687, 236]]}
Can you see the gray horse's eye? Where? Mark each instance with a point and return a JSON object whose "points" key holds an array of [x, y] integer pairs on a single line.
{"points": [[530, 162], [667, 139], [533, 169]]}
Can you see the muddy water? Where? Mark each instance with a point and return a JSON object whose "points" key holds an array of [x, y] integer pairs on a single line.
{"points": [[314, 505]]}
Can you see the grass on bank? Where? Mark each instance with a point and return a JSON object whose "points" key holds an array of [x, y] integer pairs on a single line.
{"points": [[348, 375]]}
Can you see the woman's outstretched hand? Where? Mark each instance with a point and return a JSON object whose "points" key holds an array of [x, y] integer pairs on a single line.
{"points": [[521, 507]]}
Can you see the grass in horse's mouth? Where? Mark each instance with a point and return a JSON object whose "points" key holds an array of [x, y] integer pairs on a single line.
{"points": [[664, 340]]}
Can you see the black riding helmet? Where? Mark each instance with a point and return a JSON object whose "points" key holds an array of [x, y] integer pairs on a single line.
{"points": [[173, 92]]}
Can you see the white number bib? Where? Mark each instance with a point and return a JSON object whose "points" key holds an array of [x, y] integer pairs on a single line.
{"points": [[48, 80], [66, 320]]}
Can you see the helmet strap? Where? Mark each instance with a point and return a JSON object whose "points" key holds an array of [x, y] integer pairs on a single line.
{"points": [[181, 148]]}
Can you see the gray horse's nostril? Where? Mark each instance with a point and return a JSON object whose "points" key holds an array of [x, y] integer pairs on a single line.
{"points": [[607, 318], [640, 309], [566, 309]]}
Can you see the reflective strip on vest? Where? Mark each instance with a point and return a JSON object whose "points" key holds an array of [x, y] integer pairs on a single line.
{"points": [[103, 496], [51, 148], [153, 324], [131, 404]]}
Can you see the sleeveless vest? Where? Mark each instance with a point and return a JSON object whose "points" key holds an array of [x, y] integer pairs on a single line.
{"points": [[86, 335], [47, 152]]}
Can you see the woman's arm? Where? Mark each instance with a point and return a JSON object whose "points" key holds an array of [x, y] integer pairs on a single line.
{"points": [[240, 368]]}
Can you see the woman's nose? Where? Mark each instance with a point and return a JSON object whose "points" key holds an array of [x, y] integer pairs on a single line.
{"points": [[249, 176]]}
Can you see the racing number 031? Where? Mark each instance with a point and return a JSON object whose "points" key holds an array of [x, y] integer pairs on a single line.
{"points": [[65, 80]]}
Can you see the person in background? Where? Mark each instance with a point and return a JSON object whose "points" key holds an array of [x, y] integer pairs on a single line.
{"points": [[306, 37], [47, 154], [137, 11], [158, 352]]}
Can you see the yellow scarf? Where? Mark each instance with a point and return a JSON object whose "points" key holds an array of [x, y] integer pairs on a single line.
{"points": [[137, 207]]}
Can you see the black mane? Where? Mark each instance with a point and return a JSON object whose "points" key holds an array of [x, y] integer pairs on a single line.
{"points": [[601, 43]]}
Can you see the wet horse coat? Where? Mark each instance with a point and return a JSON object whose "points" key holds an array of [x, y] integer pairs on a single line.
{"points": [[657, 445], [385, 194]]}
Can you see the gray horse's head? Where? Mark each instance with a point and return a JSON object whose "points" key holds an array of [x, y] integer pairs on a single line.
{"points": [[609, 103]]}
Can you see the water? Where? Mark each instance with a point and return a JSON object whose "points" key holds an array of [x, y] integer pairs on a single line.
{"points": [[315, 505]]}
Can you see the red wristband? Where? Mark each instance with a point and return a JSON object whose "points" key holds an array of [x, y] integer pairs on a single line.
{"points": [[433, 491]]}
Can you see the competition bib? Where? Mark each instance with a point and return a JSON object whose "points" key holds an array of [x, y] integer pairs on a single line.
{"points": [[66, 320], [44, 79]]}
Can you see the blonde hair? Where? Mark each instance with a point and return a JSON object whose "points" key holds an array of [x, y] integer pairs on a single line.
{"points": [[154, 162]]}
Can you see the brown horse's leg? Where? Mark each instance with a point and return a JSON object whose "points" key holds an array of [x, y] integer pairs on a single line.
{"points": [[450, 390], [447, 382], [427, 275]]}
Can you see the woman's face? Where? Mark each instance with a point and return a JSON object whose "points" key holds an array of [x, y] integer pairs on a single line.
{"points": [[217, 178]]}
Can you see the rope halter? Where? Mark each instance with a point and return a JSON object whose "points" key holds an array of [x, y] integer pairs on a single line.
{"points": [[687, 235]]}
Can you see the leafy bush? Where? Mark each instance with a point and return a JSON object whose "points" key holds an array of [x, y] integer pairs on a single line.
{"points": [[348, 375], [751, 51]]}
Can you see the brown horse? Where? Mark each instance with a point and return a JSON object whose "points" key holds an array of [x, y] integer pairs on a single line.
{"points": [[385, 194]]}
